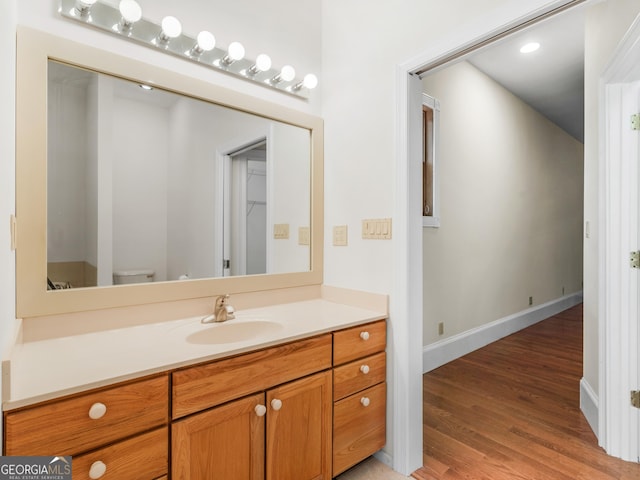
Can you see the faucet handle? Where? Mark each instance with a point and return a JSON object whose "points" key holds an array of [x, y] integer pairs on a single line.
{"points": [[230, 312], [222, 300]]}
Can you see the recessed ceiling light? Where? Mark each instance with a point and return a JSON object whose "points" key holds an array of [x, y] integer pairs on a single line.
{"points": [[146, 87], [530, 47]]}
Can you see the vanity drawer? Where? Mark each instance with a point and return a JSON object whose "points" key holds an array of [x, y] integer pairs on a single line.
{"points": [[64, 427], [359, 342], [144, 457], [204, 386], [356, 376], [358, 430]]}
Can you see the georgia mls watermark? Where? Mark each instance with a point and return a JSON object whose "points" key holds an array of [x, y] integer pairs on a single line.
{"points": [[35, 468]]}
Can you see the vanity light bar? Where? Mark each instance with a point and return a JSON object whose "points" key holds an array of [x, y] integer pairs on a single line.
{"points": [[126, 21]]}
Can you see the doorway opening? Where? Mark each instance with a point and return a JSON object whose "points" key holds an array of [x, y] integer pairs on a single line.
{"points": [[246, 210], [411, 89], [408, 288]]}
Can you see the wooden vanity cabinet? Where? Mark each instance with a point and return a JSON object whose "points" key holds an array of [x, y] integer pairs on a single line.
{"points": [[280, 431], [121, 430], [304, 410], [359, 394]]}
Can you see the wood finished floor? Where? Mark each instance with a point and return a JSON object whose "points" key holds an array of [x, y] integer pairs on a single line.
{"points": [[511, 411]]}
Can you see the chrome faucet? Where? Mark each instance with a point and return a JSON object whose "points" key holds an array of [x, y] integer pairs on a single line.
{"points": [[221, 311]]}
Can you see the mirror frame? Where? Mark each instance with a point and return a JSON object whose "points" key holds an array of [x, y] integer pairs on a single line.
{"points": [[34, 49]]}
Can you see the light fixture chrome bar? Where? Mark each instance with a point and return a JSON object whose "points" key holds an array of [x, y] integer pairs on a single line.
{"points": [[108, 18]]}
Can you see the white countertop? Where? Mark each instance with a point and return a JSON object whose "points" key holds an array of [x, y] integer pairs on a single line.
{"points": [[46, 369]]}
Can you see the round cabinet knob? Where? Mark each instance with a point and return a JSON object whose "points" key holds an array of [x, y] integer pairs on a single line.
{"points": [[260, 410], [276, 404], [365, 401], [364, 369], [97, 411], [97, 469], [364, 335]]}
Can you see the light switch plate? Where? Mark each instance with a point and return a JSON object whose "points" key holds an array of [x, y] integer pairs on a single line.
{"points": [[281, 231], [376, 228], [304, 236], [340, 236]]}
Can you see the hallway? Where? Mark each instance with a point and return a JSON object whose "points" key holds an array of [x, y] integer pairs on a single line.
{"points": [[511, 411]]}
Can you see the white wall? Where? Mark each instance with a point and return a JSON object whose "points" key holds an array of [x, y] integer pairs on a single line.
{"points": [[606, 24], [511, 206], [8, 12], [101, 159], [179, 193], [140, 164], [66, 201], [289, 150], [362, 47]]}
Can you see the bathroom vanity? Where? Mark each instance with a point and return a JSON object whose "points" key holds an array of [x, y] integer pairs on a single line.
{"points": [[293, 388], [303, 401]]}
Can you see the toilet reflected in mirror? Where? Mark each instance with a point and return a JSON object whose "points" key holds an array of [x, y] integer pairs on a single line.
{"points": [[125, 277]]}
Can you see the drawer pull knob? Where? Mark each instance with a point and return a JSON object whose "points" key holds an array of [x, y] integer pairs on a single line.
{"points": [[364, 369], [97, 411], [364, 335], [276, 404], [260, 410], [97, 469], [365, 401]]}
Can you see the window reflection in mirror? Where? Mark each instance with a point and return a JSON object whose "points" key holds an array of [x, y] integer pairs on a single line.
{"points": [[148, 185]]}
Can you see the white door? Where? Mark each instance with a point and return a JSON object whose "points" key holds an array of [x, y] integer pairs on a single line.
{"points": [[632, 94], [620, 421]]}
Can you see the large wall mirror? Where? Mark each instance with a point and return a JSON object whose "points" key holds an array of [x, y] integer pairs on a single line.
{"points": [[136, 184]]}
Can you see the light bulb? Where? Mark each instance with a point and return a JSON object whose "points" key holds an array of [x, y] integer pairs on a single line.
{"points": [[263, 62], [287, 73], [236, 51], [171, 28], [130, 11], [310, 81], [206, 41], [83, 6]]}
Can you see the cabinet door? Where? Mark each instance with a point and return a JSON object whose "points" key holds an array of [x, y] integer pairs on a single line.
{"points": [[299, 429], [224, 442]]}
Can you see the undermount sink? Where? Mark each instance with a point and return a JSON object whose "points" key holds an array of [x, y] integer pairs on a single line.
{"points": [[230, 332]]}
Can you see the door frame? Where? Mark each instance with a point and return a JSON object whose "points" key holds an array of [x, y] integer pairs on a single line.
{"points": [[222, 160], [405, 306], [618, 213]]}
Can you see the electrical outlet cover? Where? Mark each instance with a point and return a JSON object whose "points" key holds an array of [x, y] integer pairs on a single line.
{"points": [[304, 236], [340, 236]]}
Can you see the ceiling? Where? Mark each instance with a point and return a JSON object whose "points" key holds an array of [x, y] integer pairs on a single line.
{"points": [[550, 79]]}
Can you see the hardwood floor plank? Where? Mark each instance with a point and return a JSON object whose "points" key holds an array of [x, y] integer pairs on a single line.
{"points": [[511, 411]]}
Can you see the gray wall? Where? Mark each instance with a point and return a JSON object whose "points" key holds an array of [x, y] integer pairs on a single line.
{"points": [[511, 206]]}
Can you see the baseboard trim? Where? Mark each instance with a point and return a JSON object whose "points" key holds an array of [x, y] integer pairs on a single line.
{"points": [[384, 457], [444, 351], [589, 405]]}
